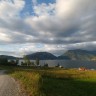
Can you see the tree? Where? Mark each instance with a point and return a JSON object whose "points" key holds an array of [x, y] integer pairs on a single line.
{"points": [[27, 61], [3, 60], [12, 62], [32, 63], [17, 61], [22, 63], [37, 61]]}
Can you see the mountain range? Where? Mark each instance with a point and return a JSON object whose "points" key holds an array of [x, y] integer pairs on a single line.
{"points": [[76, 54]]}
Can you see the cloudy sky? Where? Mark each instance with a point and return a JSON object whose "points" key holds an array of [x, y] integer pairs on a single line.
{"points": [[28, 26]]}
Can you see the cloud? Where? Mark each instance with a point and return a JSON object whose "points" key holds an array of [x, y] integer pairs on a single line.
{"points": [[9, 9], [67, 23]]}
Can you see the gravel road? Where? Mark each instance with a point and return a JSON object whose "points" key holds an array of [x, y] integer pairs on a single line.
{"points": [[8, 86]]}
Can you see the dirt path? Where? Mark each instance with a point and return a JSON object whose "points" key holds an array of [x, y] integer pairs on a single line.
{"points": [[8, 86]]}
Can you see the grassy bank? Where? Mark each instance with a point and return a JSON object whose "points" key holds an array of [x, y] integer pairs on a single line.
{"points": [[56, 82], [31, 82]]}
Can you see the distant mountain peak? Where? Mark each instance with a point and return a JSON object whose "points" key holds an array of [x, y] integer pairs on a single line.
{"points": [[42, 56]]}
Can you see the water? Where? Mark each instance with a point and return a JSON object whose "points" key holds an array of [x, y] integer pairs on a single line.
{"points": [[67, 63]]}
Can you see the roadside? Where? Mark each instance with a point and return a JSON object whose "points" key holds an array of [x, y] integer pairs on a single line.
{"points": [[8, 85]]}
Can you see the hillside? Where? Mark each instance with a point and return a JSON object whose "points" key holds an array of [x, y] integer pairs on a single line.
{"points": [[62, 57], [8, 57], [42, 56], [79, 54]]}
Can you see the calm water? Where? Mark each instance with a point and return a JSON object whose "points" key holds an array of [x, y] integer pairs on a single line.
{"points": [[67, 63]]}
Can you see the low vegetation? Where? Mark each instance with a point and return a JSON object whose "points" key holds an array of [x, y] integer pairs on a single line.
{"points": [[55, 81]]}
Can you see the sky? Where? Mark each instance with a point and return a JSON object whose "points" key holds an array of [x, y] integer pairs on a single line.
{"points": [[28, 26]]}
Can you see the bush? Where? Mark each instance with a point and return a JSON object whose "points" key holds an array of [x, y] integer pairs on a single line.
{"points": [[46, 65]]}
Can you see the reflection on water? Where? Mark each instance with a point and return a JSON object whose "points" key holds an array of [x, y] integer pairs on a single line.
{"points": [[67, 63]]}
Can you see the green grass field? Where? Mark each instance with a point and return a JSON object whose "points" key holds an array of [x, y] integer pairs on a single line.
{"points": [[56, 82]]}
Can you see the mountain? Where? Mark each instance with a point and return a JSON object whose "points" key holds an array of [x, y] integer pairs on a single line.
{"points": [[62, 57], [79, 54], [8, 57], [42, 56]]}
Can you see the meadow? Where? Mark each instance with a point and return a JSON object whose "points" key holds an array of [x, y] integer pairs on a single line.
{"points": [[55, 81]]}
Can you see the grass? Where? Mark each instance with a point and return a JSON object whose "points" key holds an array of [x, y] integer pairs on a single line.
{"points": [[55, 82], [29, 81]]}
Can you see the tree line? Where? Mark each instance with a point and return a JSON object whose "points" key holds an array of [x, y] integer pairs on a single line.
{"points": [[4, 61]]}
